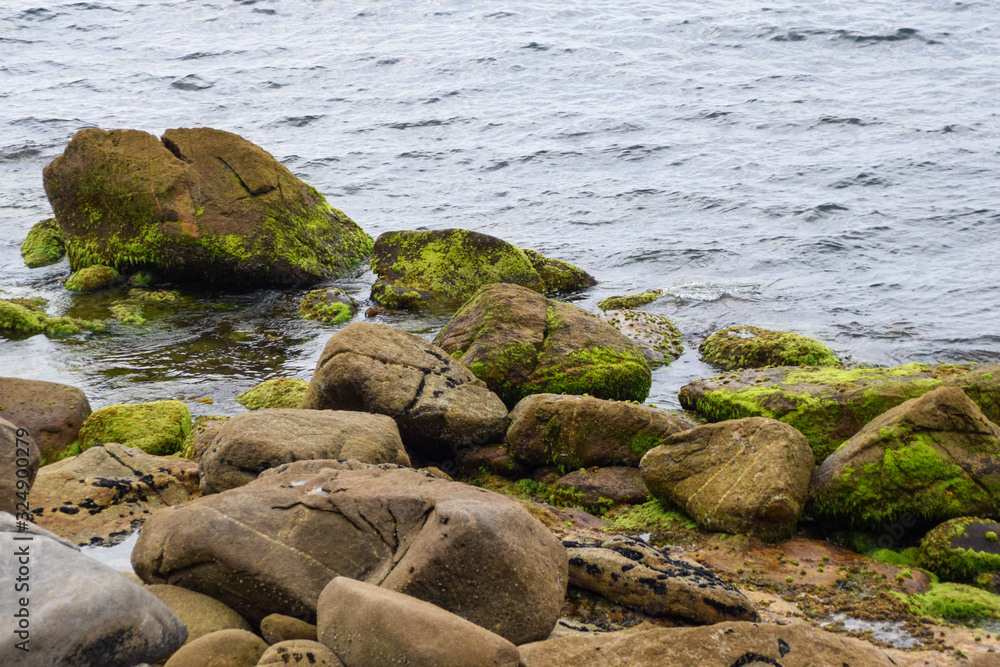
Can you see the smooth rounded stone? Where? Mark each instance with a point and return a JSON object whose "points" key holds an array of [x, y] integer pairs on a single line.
{"points": [[936, 456], [829, 405], [272, 545], [619, 484], [366, 624], [657, 337], [961, 549], [630, 572], [442, 268], [19, 461], [158, 428], [109, 491], [201, 206], [203, 432], [255, 441], [741, 476], [274, 393], [331, 305], [93, 278], [80, 612], [438, 404], [53, 413], [581, 431], [222, 648], [199, 613], [299, 652], [43, 245], [277, 628], [720, 645], [521, 343], [753, 347], [630, 301]]}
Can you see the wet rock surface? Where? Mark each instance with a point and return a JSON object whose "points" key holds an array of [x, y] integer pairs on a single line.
{"points": [[51, 412]]}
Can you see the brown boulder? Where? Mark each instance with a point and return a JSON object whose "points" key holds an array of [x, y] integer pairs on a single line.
{"points": [[53, 413], [299, 652], [222, 648], [277, 628], [199, 613], [621, 485]]}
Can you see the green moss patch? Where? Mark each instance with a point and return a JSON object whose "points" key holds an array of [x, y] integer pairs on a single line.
{"points": [[652, 517], [92, 278], [333, 306], [21, 318], [43, 245], [156, 428], [961, 549], [956, 602], [630, 301], [752, 347], [275, 393]]}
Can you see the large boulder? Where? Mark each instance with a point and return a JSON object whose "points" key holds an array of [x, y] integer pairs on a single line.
{"points": [[936, 457], [741, 476], [366, 624], [75, 610], [521, 343], [438, 404], [443, 268], [252, 442], [753, 347], [108, 491], [272, 545], [574, 432], [730, 644], [200, 205], [51, 412], [19, 463], [159, 427], [829, 405]]}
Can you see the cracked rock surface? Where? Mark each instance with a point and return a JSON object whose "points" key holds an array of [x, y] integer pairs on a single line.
{"points": [[437, 403], [271, 546]]}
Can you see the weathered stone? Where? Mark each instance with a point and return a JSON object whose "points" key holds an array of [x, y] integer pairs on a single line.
{"points": [[961, 549], [442, 268], [936, 456], [365, 624], [630, 301], [719, 645], [19, 461], [275, 393], [108, 491], [203, 433], [633, 573], [81, 612], [657, 337], [574, 432], [331, 305], [51, 412], [202, 206], [521, 343], [829, 405], [199, 613], [299, 652], [753, 347], [618, 484], [469, 461], [272, 545], [43, 245], [277, 628], [741, 476], [439, 405], [222, 648], [255, 441]]}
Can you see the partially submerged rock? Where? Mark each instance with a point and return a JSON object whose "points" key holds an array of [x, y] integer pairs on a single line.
{"points": [[961, 549], [629, 302], [274, 393], [657, 337], [51, 412], [43, 245], [93, 278], [753, 347], [200, 205], [521, 343], [331, 305], [158, 428], [742, 476], [829, 405], [936, 457], [20, 318], [445, 267]]}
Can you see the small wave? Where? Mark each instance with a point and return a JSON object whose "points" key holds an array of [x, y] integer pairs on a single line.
{"points": [[37, 14], [191, 82], [90, 6], [819, 212], [535, 46], [837, 120], [864, 179], [201, 55], [299, 121], [388, 61], [902, 34], [268, 12]]}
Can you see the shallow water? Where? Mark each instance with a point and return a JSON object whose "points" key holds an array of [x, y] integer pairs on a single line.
{"points": [[823, 167]]}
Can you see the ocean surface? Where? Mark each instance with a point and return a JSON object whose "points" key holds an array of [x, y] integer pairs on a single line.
{"points": [[825, 167]]}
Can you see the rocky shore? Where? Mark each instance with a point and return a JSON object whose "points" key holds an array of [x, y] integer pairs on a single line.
{"points": [[500, 495]]}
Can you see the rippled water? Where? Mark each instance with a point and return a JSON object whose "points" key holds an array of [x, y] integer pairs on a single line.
{"points": [[825, 167]]}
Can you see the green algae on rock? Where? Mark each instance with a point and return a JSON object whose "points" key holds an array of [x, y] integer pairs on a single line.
{"points": [[331, 305], [956, 602], [274, 393], [445, 267], [43, 245], [201, 206], [829, 405], [158, 428], [657, 337], [520, 343], [21, 318], [935, 457], [752, 347], [92, 278], [961, 549], [629, 302]]}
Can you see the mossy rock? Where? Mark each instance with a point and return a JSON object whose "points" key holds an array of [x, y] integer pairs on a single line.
{"points": [[20, 318], [829, 405], [443, 268], [657, 337], [958, 602], [92, 279], [157, 428], [203, 432], [520, 343], [201, 206], [629, 302], [961, 549], [43, 245], [333, 306], [274, 393], [752, 347], [936, 457]]}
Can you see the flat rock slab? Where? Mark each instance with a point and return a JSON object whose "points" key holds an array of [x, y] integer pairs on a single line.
{"points": [[272, 545], [53, 413], [108, 492]]}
